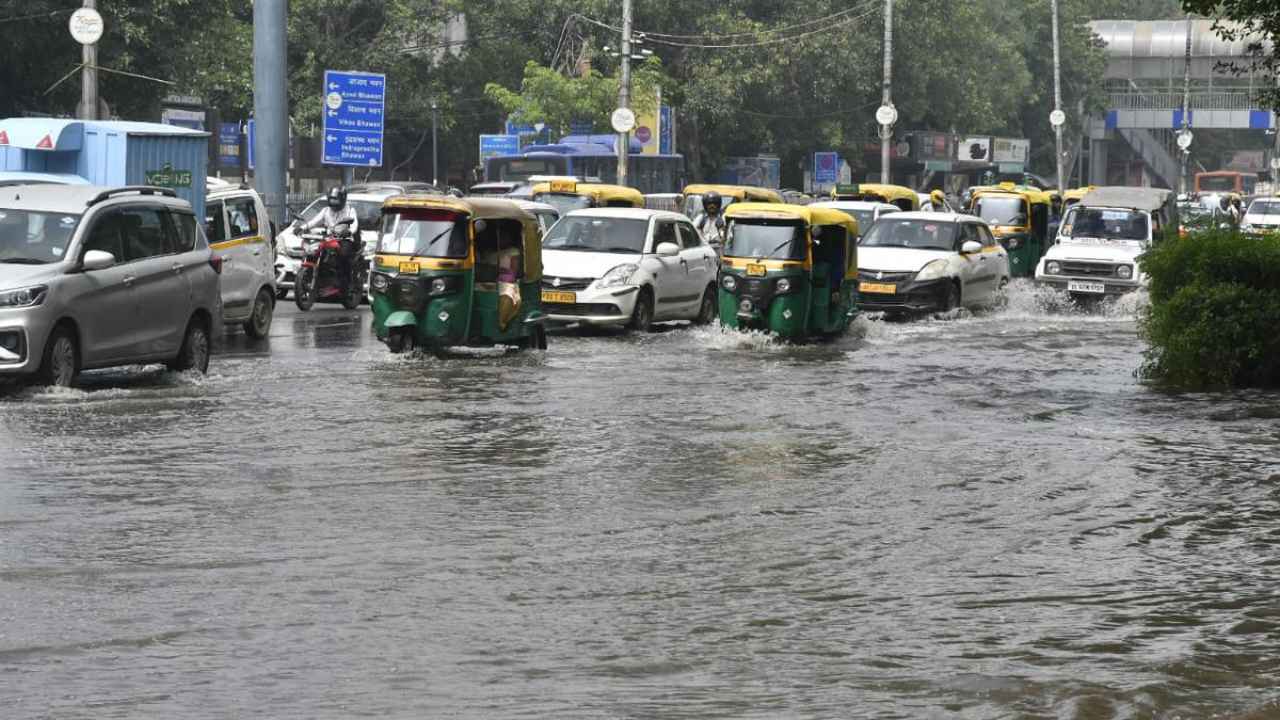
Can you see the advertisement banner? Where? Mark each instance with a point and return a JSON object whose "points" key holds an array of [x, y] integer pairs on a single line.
{"points": [[667, 131], [974, 149], [649, 126], [1008, 150], [229, 145], [763, 172]]}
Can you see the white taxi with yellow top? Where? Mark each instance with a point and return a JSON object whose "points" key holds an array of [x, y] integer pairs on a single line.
{"points": [[930, 261], [238, 229]]}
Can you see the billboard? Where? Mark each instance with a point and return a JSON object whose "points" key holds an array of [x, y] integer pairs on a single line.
{"points": [[974, 149], [758, 171], [1008, 150]]}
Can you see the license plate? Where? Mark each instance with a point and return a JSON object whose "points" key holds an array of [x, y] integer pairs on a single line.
{"points": [[409, 268], [756, 270], [1084, 286], [880, 288], [560, 298]]}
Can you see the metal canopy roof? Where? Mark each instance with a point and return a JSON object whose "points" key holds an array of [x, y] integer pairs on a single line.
{"points": [[1165, 39]]}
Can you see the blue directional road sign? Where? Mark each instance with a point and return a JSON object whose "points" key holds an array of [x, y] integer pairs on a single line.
{"points": [[353, 118], [495, 145]]}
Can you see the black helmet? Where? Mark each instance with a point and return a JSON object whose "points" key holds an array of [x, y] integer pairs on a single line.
{"points": [[712, 199], [337, 197]]}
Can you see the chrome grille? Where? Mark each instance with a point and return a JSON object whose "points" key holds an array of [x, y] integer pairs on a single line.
{"points": [[551, 282], [1088, 269]]}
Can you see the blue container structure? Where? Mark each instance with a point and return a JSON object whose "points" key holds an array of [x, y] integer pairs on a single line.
{"points": [[110, 153]]}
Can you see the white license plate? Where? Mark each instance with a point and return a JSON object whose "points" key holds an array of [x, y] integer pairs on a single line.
{"points": [[1084, 286]]}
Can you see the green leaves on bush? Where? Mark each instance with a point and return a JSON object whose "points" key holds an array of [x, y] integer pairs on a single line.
{"points": [[1214, 319]]}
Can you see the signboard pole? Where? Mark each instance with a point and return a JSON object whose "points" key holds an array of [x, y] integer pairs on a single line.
{"points": [[1057, 104], [624, 92], [89, 75], [886, 130]]}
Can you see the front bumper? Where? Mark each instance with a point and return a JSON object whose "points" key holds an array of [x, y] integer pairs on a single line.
{"points": [[609, 307], [1110, 287], [286, 271], [23, 334], [911, 296]]}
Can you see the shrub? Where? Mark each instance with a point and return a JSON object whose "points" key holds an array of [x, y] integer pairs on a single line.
{"points": [[1214, 318]]}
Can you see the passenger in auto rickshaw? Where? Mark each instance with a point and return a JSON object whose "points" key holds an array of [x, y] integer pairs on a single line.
{"points": [[498, 266]]}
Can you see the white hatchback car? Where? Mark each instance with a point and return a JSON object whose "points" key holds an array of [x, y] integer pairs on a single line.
{"points": [[239, 231], [926, 261], [627, 267]]}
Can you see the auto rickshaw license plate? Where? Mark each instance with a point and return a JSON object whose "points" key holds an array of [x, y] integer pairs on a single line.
{"points": [[409, 268], [880, 288], [560, 298], [756, 270]]}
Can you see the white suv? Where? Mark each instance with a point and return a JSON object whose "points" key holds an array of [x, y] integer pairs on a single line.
{"points": [[627, 267], [238, 228]]}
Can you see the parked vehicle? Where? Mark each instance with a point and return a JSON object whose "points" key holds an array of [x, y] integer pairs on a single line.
{"points": [[790, 270], [1102, 239], [729, 194], [569, 195], [457, 272], [866, 212], [923, 262], [1020, 217], [903, 198], [323, 275], [94, 277], [623, 267], [238, 230]]}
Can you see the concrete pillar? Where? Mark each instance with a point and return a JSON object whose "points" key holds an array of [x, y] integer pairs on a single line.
{"points": [[1098, 161]]}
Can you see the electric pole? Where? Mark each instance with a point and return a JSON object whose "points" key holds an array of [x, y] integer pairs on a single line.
{"points": [[271, 105], [1057, 103], [89, 75], [624, 92], [886, 98], [435, 151]]}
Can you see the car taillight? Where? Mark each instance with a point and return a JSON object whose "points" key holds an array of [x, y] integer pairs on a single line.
{"points": [[215, 262]]}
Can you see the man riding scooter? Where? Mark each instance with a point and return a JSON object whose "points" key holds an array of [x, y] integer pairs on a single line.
{"points": [[338, 212]]}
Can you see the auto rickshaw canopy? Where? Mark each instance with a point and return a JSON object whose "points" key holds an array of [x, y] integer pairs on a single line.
{"points": [[739, 193], [1075, 195], [904, 198], [601, 194], [477, 208]]}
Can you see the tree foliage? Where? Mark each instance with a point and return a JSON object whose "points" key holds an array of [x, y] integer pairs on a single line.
{"points": [[1257, 21]]}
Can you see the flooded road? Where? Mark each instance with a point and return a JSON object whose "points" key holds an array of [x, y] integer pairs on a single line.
{"points": [[981, 517]]}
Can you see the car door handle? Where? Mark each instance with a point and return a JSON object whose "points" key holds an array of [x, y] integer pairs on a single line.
{"points": [[128, 281], [177, 268]]}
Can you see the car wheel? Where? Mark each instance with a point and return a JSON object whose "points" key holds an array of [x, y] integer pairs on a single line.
{"points": [[951, 300], [194, 353], [642, 314], [304, 292], [258, 326], [61, 363], [709, 308]]}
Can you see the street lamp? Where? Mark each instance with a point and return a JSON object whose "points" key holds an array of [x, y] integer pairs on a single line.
{"points": [[435, 150]]}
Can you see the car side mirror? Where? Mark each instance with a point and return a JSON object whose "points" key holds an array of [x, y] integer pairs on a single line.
{"points": [[97, 260], [970, 247], [667, 249]]}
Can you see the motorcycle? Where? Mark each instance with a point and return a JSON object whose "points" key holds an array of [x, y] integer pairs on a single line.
{"points": [[318, 275]]}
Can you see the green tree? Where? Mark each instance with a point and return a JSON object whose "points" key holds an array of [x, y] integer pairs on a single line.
{"points": [[1258, 22]]}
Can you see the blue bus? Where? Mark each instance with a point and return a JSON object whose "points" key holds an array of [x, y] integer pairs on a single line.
{"points": [[589, 156]]}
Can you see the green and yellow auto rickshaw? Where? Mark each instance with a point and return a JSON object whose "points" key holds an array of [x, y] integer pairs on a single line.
{"points": [[906, 199], [568, 195], [1019, 217], [791, 270], [457, 273]]}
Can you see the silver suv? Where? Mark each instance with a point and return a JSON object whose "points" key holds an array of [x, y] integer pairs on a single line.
{"points": [[94, 277]]}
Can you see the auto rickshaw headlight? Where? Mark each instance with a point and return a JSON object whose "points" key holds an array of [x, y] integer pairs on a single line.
{"points": [[1053, 268], [783, 286], [439, 285], [729, 283], [379, 282], [442, 286]]}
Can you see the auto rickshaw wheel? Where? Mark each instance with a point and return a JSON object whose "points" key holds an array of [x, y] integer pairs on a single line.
{"points": [[642, 315], [540, 338], [401, 341]]}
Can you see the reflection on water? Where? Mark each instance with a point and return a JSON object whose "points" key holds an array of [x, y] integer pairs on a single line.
{"points": [[978, 516]]}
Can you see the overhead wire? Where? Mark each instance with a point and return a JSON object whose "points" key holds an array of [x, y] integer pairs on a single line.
{"points": [[868, 10]]}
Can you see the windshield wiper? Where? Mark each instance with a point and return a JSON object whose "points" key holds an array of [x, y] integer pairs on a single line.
{"points": [[23, 261], [433, 240], [568, 247], [785, 243], [620, 249]]}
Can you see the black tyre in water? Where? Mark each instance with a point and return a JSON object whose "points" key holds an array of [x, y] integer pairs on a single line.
{"points": [[304, 291], [258, 326], [194, 353], [642, 315], [709, 309], [61, 363]]}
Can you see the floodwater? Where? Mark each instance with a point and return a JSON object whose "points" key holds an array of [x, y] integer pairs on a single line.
{"points": [[985, 516]]}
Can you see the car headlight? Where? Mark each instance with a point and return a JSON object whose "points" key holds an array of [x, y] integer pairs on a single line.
{"points": [[23, 297], [933, 271], [379, 282], [1246, 227], [620, 275], [783, 286], [729, 283], [1124, 272], [1053, 268]]}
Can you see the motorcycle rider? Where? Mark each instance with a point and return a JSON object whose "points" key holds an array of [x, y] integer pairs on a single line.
{"points": [[710, 224], [338, 211]]}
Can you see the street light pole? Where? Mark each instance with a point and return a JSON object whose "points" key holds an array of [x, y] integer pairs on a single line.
{"points": [[271, 105], [1185, 145], [89, 75], [435, 152], [1057, 102], [624, 91], [886, 98]]}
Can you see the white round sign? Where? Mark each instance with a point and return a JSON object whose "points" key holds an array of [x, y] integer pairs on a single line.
{"points": [[623, 120], [886, 115], [1057, 118], [333, 100], [1275, 163], [1184, 139], [86, 26]]}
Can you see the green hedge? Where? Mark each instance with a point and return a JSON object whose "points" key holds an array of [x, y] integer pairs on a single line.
{"points": [[1214, 318]]}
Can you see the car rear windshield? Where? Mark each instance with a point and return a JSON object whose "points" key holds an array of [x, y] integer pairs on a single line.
{"points": [[423, 233], [776, 239], [35, 238], [911, 233], [598, 234]]}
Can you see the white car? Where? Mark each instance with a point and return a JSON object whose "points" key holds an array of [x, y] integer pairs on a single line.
{"points": [[238, 228], [368, 207], [1263, 216], [864, 211], [546, 214], [627, 267], [1101, 238], [926, 261]]}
